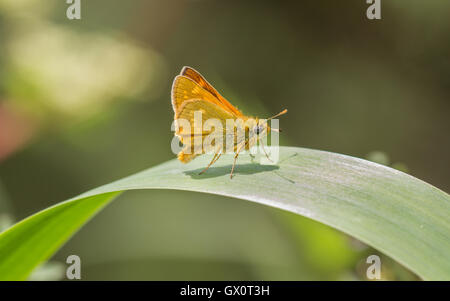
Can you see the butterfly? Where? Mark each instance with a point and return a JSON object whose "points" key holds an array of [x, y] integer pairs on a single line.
{"points": [[191, 93]]}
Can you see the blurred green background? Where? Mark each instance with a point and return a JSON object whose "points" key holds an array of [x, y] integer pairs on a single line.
{"points": [[85, 102]]}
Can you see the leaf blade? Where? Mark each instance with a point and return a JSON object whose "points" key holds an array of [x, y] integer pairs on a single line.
{"points": [[32, 241], [401, 216]]}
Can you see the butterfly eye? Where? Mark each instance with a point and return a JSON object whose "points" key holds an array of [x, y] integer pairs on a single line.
{"points": [[258, 129]]}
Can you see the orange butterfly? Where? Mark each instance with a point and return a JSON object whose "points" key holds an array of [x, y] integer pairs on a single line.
{"points": [[191, 93]]}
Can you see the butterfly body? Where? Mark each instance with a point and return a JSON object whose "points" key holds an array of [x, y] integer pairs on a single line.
{"points": [[191, 95]]}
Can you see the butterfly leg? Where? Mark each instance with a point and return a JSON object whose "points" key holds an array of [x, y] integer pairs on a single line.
{"points": [[234, 164], [238, 150], [260, 141], [214, 159]]}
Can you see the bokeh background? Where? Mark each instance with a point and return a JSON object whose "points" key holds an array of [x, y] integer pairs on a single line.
{"points": [[85, 102]]}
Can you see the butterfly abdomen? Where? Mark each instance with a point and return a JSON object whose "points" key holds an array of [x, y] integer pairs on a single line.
{"points": [[185, 158]]}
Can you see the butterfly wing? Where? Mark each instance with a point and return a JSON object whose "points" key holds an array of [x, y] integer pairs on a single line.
{"points": [[192, 85], [188, 133], [199, 79], [185, 89]]}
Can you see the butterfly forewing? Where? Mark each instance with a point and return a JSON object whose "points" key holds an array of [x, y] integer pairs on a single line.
{"points": [[199, 79], [185, 89]]}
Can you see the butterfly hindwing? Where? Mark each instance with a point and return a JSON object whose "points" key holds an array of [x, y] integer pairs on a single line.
{"points": [[208, 111], [187, 129]]}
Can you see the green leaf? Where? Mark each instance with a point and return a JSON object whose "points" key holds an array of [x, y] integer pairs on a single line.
{"points": [[401, 216], [32, 241]]}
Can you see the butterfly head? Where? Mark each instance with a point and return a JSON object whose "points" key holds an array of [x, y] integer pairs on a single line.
{"points": [[260, 128], [263, 128]]}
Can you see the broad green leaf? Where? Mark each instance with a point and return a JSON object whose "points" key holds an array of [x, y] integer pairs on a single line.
{"points": [[30, 242], [401, 216]]}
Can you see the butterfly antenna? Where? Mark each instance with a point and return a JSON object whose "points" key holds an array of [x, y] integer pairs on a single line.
{"points": [[279, 114]]}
